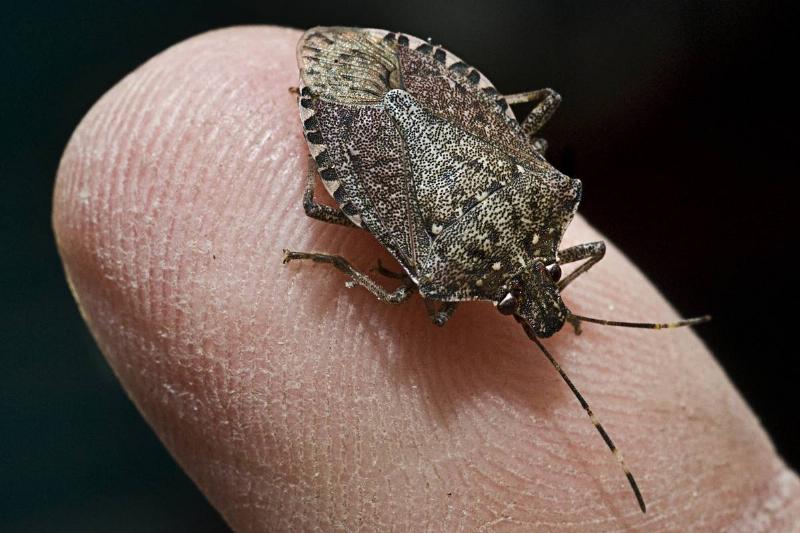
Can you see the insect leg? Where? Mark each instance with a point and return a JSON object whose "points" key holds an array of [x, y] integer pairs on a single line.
{"points": [[443, 314], [397, 296], [593, 251], [320, 211], [547, 101]]}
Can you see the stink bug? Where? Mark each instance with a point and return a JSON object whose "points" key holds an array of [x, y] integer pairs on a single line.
{"points": [[419, 149]]}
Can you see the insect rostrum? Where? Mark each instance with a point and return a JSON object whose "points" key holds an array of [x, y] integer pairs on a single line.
{"points": [[419, 149]]}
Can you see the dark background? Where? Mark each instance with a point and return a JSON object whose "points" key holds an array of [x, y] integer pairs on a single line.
{"points": [[679, 117]]}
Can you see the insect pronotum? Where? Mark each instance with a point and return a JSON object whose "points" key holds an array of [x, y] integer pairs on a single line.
{"points": [[420, 150]]}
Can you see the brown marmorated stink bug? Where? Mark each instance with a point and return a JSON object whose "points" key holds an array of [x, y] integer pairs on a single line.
{"points": [[419, 149]]}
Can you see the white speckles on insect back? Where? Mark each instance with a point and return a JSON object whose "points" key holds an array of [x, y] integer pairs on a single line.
{"points": [[480, 204]]}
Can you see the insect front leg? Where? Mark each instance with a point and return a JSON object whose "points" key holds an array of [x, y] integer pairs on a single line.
{"points": [[443, 314], [593, 251], [547, 101], [399, 295], [318, 211]]}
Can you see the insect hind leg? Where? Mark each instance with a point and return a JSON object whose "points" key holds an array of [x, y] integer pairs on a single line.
{"points": [[319, 211], [399, 295]]}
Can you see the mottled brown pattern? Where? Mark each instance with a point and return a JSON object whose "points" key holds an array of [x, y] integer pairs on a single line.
{"points": [[367, 145], [424, 167], [433, 163], [481, 206], [352, 68], [448, 94]]}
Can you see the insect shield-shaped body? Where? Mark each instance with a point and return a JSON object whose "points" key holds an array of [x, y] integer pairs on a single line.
{"points": [[419, 149]]}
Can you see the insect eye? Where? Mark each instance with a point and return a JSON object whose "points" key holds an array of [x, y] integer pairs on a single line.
{"points": [[555, 271], [508, 304]]}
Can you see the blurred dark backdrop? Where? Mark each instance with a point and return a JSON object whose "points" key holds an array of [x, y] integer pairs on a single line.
{"points": [[679, 117]]}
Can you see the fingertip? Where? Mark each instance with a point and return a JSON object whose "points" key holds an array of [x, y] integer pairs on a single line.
{"points": [[275, 386], [167, 209]]}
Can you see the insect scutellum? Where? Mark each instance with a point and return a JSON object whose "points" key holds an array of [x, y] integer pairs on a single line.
{"points": [[420, 150]]}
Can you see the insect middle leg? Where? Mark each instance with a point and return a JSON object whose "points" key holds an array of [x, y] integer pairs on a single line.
{"points": [[319, 211], [593, 251], [399, 295], [438, 316], [547, 101]]}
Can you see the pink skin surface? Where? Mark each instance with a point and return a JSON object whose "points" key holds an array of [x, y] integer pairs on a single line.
{"points": [[297, 404]]}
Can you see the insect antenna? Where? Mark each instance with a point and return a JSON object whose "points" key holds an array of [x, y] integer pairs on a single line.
{"points": [[643, 325], [598, 426]]}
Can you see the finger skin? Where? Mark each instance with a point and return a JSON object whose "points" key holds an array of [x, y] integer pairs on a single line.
{"points": [[297, 404]]}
